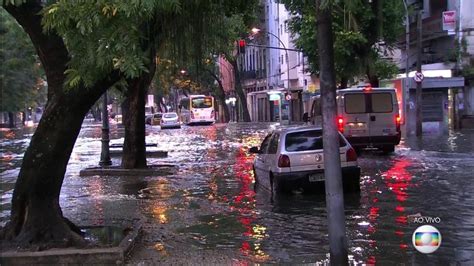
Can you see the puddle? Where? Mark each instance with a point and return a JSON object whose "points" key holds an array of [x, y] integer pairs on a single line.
{"points": [[104, 235]]}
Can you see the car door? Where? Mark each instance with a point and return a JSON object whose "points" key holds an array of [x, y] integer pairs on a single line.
{"points": [[260, 158], [382, 114], [355, 115]]}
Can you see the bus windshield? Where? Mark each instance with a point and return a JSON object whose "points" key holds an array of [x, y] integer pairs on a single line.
{"points": [[201, 102]]}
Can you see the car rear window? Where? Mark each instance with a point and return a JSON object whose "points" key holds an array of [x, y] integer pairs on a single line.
{"points": [[355, 103], [307, 141], [170, 115], [381, 102]]}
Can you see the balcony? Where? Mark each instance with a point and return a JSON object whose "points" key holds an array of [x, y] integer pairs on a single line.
{"points": [[253, 74], [432, 28]]}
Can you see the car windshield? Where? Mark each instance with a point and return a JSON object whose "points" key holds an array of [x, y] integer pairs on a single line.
{"points": [[158, 115], [202, 102], [170, 115], [307, 141]]}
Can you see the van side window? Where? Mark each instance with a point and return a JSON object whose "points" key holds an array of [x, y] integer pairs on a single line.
{"points": [[354, 103], [381, 102]]}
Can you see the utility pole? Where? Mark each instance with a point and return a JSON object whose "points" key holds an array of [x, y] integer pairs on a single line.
{"points": [[419, 85], [105, 151], [407, 55]]}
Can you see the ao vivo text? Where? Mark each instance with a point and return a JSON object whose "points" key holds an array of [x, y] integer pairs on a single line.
{"points": [[426, 220]]}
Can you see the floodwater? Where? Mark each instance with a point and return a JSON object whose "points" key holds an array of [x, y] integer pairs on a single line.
{"points": [[211, 203]]}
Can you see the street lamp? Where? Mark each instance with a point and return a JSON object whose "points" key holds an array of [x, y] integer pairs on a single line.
{"points": [[257, 30], [232, 101], [105, 151]]}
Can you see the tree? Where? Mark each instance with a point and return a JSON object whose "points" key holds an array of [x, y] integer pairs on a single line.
{"points": [[359, 26], [332, 163], [36, 217], [85, 49], [21, 83]]}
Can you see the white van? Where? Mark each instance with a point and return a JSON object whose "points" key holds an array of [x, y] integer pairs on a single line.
{"points": [[368, 117]]}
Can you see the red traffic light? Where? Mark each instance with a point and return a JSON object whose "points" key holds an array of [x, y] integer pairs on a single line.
{"points": [[241, 47]]}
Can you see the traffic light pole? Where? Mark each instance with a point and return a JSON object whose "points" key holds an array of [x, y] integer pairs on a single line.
{"points": [[288, 90]]}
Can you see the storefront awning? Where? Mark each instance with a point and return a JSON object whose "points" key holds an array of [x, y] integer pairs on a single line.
{"points": [[434, 83]]}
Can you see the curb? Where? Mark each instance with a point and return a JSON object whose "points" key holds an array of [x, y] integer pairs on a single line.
{"points": [[156, 154], [112, 255], [163, 169]]}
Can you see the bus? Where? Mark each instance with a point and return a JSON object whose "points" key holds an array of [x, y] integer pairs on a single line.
{"points": [[197, 109]]}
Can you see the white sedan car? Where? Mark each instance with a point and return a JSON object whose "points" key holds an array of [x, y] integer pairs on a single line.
{"points": [[170, 120], [292, 158]]}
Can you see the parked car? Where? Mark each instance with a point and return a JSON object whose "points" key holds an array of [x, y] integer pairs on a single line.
{"points": [[368, 117], [153, 119], [292, 158], [170, 120]]}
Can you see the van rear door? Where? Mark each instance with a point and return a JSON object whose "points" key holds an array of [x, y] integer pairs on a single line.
{"points": [[383, 114], [355, 114]]}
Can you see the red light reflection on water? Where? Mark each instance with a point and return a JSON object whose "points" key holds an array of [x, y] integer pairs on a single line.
{"points": [[244, 204], [397, 179]]}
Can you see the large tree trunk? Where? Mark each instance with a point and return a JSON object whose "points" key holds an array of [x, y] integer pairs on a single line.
{"points": [[134, 122], [11, 120], [36, 217], [221, 96], [240, 91], [332, 162], [134, 149], [373, 79]]}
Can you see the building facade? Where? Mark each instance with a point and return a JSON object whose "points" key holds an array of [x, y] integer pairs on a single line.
{"points": [[447, 29], [273, 70]]}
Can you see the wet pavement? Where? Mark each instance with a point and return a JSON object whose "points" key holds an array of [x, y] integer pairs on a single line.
{"points": [[210, 208]]}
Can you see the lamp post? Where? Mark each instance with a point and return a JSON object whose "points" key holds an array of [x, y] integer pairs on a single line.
{"points": [[105, 151], [255, 31], [232, 101]]}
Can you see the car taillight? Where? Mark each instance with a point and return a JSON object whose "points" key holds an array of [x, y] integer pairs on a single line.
{"points": [[192, 115], [212, 114], [398, 119], [283, 161], [351, 155], [340, 124]]}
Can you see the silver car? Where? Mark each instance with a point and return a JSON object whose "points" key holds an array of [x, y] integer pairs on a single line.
{"points": [[170, 120], [292, 158]]}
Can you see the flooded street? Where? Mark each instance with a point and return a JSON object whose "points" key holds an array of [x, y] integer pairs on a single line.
{"points": [[210, 205]]}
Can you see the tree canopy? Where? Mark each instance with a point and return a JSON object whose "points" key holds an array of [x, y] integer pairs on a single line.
{"points": [[20, 71], [359, 29]]}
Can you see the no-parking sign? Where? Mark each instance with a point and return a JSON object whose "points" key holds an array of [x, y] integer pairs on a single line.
{"points": [[418, 77]]}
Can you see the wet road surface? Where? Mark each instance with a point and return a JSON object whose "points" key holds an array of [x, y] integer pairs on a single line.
{"points": [[209, 207]]}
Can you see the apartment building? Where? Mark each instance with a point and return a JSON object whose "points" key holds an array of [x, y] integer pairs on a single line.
{"points": [[447, 96]]}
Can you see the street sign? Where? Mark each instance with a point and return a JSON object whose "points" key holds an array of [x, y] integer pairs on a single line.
{"points": [[449, 21], [418, 77], [288, 97]]}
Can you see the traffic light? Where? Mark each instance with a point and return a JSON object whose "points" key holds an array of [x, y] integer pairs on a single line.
{"points": [[241, 46]]}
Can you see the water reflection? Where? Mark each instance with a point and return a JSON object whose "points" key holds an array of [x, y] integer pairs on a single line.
{"points": [[211, 203]]}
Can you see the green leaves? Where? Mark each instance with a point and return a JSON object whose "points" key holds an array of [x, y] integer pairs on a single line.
{"points": [[20, 81], [356, 31]]}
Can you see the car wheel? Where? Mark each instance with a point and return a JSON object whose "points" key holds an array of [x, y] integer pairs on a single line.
{"points": [[388, 149]]}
